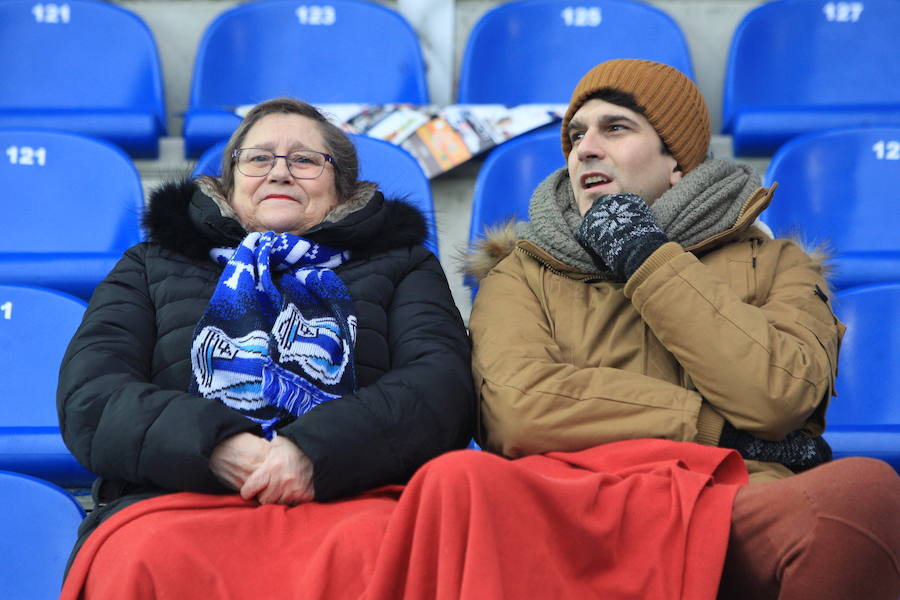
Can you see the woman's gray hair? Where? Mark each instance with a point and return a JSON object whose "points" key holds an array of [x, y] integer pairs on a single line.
{"points": [[337, 144]]}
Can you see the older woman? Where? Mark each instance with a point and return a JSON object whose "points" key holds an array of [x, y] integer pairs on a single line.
{"points": [[283, 335]]}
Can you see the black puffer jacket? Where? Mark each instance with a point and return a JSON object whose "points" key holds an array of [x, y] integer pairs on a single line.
{"points": [[124, 408]]}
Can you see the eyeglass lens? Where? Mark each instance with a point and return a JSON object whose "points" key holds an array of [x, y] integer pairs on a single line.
{"points": [[303, 164]]}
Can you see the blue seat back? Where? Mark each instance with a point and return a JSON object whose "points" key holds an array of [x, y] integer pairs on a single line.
{"points": [[797, 66], [535, 51], [345, 51], [842, 187], [509, 176], [37, 532], [84, 66], [864, 418], [394, 169], [868, 382], [67, 193], [71, 205], [36, 326]]}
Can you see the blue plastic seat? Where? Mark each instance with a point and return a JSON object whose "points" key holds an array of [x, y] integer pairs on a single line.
{"points": [[508, 178], [38, 529], [798, 66], [394, 169], [864, 418], [535, 51], [82, 66], [70, 206], [842, 188], [345, 51], [36, 326]]}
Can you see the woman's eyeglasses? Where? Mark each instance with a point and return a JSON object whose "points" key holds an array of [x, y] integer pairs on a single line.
{"points": [[303, 164]]}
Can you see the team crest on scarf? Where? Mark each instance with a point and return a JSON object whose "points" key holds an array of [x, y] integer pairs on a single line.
{"points": [[278, 334]]}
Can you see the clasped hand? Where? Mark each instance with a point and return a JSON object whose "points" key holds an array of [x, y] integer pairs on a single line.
{"points": [[276, 472]]}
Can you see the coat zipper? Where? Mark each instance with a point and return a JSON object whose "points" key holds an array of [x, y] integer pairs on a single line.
{"points": [[552, 269]]}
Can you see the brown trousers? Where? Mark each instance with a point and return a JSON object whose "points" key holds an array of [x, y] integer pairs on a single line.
{"points": [[831, 533]]}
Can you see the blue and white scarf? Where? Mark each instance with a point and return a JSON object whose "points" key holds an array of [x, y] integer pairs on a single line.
{"points": [[270, 350]]}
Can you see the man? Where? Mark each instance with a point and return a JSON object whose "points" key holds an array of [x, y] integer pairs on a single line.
{"points": [[644, 300]]}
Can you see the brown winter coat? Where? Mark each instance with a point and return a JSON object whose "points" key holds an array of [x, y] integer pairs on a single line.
{"points": [[737, 327]]}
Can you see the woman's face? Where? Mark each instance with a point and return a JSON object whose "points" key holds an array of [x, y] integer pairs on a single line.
{"points": [[278, 202]]}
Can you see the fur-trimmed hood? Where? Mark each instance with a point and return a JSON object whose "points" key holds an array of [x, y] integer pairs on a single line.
{"points": [[499, 242], [190, 218]]}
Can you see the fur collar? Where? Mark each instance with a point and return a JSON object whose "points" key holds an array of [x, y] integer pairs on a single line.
{"points": [[499, 242], [190, 217], [715, 203]]}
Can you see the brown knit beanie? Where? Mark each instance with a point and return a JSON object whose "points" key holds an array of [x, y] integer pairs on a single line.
{"points": [[671, 101]]}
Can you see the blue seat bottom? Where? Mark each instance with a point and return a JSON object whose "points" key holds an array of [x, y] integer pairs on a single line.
{"points": [[136, 132], [760, 131], [874, 441], [203, 127], [75, 274], [46, 458], [862, 268]]}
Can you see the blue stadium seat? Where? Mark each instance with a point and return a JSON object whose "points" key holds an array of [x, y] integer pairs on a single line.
{"points": [[38, 529], [510, 175], [508, 178], [36, 325], [864, 418], [798, 66], [345, 51], [535, 51], [70, 207], [82, 66], [394, 169], [842, 188]]}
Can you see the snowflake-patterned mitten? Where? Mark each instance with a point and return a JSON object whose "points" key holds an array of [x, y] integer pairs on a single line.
{"points": [[797, 451], [620, 232]]}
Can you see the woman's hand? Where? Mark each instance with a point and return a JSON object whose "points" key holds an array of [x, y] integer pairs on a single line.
{"points": [[285, 476], [237, 457]]}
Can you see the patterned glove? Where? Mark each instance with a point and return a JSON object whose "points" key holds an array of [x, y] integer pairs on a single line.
{"points": [[620, 232], [798, 452]]}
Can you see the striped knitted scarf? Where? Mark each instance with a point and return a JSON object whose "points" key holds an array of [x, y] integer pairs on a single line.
{"points": [[278, 333]]}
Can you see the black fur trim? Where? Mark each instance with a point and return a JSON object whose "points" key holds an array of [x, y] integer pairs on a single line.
{"points": [[405, 225], [168, 222], [379, 226]]}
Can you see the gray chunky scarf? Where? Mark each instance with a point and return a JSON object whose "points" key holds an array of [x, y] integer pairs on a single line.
{"points": [[705, 202]]}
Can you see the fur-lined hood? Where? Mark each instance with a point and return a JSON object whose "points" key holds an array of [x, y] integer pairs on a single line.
{"points": [[500, 241], [191, 218]]}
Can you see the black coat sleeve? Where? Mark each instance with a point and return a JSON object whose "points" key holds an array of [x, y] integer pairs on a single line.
{"points": [[113, 418], [423, 406]]}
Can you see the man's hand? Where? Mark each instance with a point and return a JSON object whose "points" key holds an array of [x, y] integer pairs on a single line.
{"points": [[284, 477], [620, 232], [235, 458]]}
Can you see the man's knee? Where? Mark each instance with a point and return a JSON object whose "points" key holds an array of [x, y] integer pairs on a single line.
{"points": [[864, 487]]}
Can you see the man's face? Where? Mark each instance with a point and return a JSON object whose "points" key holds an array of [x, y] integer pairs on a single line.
{"points": [[614, 151]]}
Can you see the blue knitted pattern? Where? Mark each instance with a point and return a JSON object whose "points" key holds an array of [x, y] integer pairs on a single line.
{"points": [[278, 334]]}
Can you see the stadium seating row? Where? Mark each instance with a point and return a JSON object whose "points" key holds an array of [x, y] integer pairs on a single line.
{"points": [[73, 203], [36, 325], [795, 66]]}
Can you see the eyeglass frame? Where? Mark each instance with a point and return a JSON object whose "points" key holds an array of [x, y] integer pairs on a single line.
{"points": [[235, 155]]}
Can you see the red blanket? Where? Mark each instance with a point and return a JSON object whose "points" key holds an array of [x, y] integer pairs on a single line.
{"points": [[636, 519]]}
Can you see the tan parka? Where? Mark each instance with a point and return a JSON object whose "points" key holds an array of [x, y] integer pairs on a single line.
{"points": [[738, 327]]}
